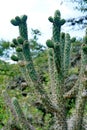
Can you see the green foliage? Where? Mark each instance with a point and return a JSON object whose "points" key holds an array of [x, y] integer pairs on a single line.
{"points": [[3, 112], [84, 49], [85, 40], [4, 46], [74, 71]]}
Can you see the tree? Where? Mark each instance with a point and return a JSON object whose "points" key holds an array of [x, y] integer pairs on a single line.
{"points": [[59, 64], [80, 5]]}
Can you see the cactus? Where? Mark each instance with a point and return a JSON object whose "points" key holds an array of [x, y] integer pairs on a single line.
{"points": [[9, 103], [25, 55], [61, 51], [22, 119], [59, 63]]}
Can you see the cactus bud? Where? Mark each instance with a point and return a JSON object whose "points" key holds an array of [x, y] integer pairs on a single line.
{"points": [[12, 45], [50, 19], [20, 40], [50, 43], [14, 58], [14, 22], [15, 41], [19, 49]]}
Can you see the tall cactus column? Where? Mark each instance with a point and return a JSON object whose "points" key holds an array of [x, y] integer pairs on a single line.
{"points": [[23, 49], [60, 118], [81, 97], [20, 22], [57, 23]]}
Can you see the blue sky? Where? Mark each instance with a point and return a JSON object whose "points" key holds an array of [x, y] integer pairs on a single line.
{"points": [[38, 12]]}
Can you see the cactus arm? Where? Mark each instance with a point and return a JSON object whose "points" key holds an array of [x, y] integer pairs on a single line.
{"points": [[72, 93], [25, 124], [57, 23], [9, 103], [52, 69], [62, 44], [21, 23], [80, 99], [67, 53], [35, 78]]}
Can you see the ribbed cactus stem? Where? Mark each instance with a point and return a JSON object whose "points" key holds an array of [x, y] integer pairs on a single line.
{"points": [[9, 103], [58, 57], [57, 23], [25, 124], [28, 58], [62, 44], [35, 78], [80, 100], [67, 53], [23, 30], [52, 75]]}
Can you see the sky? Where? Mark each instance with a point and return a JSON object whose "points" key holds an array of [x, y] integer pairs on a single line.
{"points": [[38, 12]]}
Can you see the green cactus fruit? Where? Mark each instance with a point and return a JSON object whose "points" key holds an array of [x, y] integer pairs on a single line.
{"points": [[20, 40], [14, 22], [15, 41], [17, 18], [84, 49], [18, 49], [50, 19], [12, 45], [14, 58], [24, 18], [50, 43]]}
